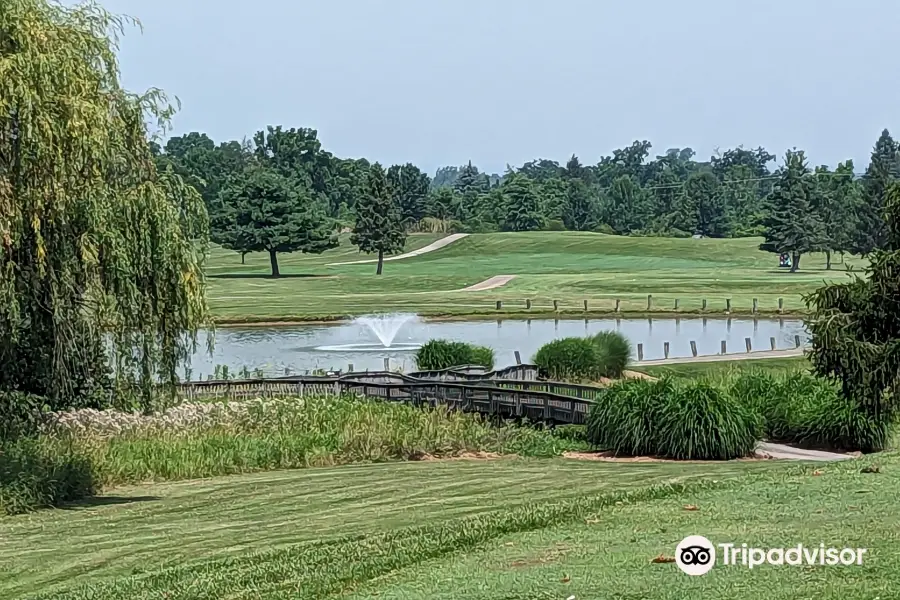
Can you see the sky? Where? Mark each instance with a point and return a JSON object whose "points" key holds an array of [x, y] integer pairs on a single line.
{"points": [[497, 82]]}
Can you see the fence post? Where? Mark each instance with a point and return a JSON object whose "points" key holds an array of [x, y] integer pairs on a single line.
{"points": [[727, 305], [747, 343], [693, 348], [556, 306], [781, 305], [772, 342], [499, 304], [585, 306], [666, 349], [704, 304], [617, 305], [676, 303], [518, 358], [387, 363], [350, 368], [724, 350], [527, 304], [649, 301], [797, 341], [755, 305], [640, 349]]}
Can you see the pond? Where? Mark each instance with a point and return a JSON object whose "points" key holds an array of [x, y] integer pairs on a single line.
{"points": [[303, 348]]}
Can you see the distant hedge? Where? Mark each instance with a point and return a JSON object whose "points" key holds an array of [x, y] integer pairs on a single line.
{"points": [[443, 354]]}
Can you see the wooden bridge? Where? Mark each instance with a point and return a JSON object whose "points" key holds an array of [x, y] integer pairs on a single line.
{"points": [[514, 392]]}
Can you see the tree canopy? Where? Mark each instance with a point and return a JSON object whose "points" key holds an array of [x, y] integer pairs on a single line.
{"points": [[94, 239]]}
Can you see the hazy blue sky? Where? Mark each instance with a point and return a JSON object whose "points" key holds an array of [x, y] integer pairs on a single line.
{"points": [[440, 82]]}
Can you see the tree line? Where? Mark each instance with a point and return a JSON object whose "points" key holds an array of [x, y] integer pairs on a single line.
{"points": [[282, 191]]}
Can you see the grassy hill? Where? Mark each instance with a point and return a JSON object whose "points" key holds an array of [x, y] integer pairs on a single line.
{"points": [[569, 267]]}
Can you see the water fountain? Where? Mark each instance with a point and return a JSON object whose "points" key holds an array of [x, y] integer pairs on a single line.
{"points": [[385, 327]]}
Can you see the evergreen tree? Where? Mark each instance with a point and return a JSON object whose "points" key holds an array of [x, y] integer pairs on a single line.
{"points": [[522, 205], [792, 224], [625, 207], [855, 329], [883, 169], [581, 207], [410, 186], [442, 202], [263, 211], [701, 209], [471, 181], [379, 223], [836, 201]]}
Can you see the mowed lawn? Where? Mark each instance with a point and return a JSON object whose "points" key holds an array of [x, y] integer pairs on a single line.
{"points": [[569, 267], [509, 528], [141, 531]]}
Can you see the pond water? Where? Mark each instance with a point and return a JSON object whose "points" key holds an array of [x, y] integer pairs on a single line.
{"points": [[299, 348]]}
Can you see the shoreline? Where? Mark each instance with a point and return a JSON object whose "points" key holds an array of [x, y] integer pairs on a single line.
{"points": [[229, 322]]}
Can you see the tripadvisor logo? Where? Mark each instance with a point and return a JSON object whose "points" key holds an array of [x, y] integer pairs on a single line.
{"points": [[696, 555]]}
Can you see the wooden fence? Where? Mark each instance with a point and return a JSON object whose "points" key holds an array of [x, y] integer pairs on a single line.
{"points": [[507, 393]]}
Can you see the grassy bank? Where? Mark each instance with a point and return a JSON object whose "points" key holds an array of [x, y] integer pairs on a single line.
{"points": [[725, 368], [569, 267], [90, 450]]}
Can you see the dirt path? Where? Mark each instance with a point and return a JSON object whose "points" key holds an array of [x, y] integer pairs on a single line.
{"points": [[489, 284], [758, 354], [436, 245]]}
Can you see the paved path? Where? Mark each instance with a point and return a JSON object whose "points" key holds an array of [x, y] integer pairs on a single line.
{"points": [[489, 284], [758, 354], [436, 245], [790, 453]]}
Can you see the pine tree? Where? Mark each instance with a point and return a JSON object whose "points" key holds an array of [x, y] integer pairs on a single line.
{"points": [[836, 200], [581, 207], [410, 186], [855, 330], [522, 205], [871, 233], [700, 207], [263, 211], [792, 225], [379, 223]]}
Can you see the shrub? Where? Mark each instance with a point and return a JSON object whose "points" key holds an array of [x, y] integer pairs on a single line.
{"points": [[623, 419], [613, 353], [698, 420], [42, 472], [803, 409], [689, 420], [20, 414], [568, 359], [443, 354]]}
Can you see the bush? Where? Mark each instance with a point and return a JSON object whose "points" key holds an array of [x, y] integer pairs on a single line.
{"points": [[568, 359], [689, 420], [554, 225], [42, 472], [443, 354], [613, 353], [803, 409], [20, 414]]}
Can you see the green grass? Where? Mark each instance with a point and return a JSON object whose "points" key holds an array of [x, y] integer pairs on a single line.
{"points": [[566, 266], [140, 531], [728, 367]]}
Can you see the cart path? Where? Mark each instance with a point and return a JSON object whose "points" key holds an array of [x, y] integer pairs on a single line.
{"points": [[436, 245], [757, 354], [489, 284], [780, 451]]}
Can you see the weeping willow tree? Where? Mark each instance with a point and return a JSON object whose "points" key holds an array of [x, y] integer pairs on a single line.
{"points": [[101, 280], [856, 326]]}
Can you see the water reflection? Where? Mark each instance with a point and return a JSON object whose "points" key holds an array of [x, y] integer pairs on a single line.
{"points": [[274, 349]]}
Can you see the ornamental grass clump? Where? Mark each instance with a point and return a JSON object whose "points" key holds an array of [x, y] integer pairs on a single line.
{"points": [[439, 354]]}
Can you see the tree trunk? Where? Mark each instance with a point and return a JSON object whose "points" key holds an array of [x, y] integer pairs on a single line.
{"points": [[795, 261], [828, 260], [243, 254], [380, 262], [273, 259]]}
